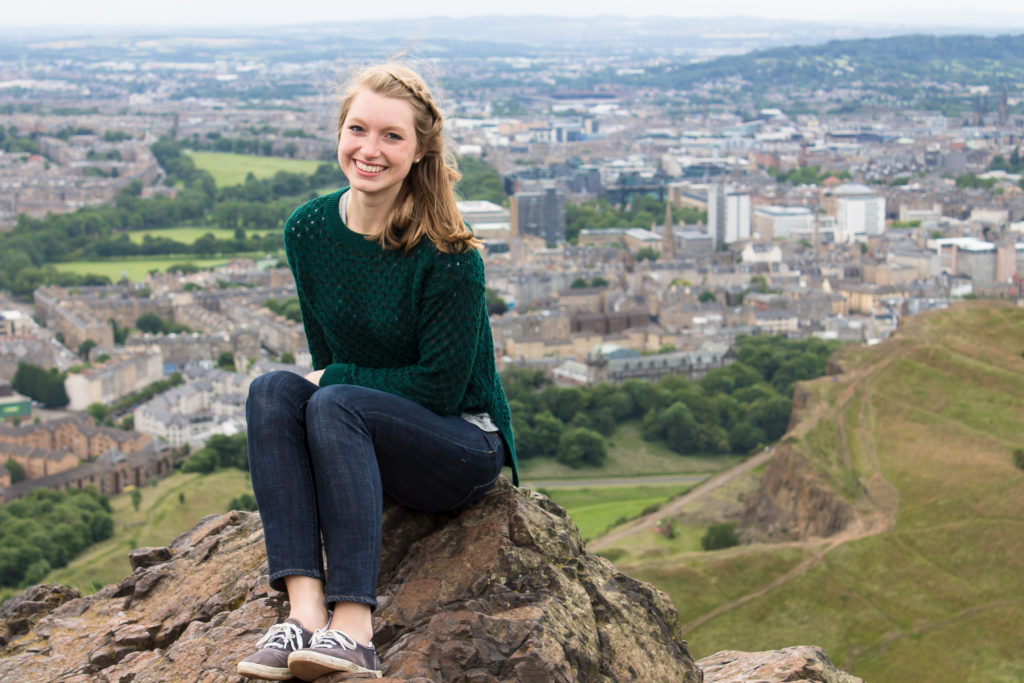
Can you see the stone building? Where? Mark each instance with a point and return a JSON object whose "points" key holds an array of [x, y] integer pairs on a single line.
{"points": [[132, 370]]}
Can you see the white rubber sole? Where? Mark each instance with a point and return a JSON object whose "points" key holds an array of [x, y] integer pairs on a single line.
{"points": [[309, 665], [267, 673]]}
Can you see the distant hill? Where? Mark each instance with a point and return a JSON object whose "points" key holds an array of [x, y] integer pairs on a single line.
{"points": [[885, 63], [920, 578]]}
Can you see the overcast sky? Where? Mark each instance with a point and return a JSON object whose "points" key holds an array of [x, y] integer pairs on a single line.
{"points": [[249, 12]]}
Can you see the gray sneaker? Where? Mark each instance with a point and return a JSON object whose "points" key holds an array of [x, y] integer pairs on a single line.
{"points": [[333, 651], [270, 661]]}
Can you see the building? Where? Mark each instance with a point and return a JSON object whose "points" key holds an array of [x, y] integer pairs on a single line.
{"points": [[612, 363], [728, 215], [107, 382], [487, 220], [860, 212], [781, 222], [540, 214]]}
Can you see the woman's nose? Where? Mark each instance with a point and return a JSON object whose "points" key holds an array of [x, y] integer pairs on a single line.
{"points": [[371, 145]]}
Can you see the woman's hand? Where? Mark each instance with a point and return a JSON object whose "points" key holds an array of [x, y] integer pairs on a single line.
{"points": [[314, 376]]}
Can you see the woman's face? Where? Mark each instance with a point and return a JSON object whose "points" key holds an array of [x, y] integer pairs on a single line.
{"points": [[377, 146]]}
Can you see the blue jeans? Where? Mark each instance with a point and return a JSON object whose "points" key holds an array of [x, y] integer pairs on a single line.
{"points": [[322, 458]]}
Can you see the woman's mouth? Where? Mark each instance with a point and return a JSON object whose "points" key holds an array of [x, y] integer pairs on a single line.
{"points": [[368, 168]]}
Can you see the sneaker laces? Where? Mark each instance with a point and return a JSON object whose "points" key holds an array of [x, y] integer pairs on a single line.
{"points": [[332, 638], [283, 636]]}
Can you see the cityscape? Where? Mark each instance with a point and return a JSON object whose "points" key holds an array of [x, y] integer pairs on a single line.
{"points": [[643, 206]]}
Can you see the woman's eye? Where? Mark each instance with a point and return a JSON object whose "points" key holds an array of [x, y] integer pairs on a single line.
{"points": [[393, 136], [356, 129]]}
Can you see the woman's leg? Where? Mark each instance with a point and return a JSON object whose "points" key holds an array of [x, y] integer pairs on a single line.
{"points": [[283, 482], [364, 442]]}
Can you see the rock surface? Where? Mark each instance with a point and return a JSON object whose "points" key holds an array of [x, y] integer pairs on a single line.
{"points": [[803, 663], [504, 590], [793, 502]]}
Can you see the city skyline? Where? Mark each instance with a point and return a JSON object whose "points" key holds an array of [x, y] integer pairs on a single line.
{"points": [[110, 13]]}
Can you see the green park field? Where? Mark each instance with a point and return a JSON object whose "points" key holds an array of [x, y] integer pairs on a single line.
{"points": [[231, 169], [134, 269], [188, 234]]}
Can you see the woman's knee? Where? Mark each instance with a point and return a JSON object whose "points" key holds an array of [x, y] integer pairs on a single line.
{"points": [[278, 389], [332, 398]]}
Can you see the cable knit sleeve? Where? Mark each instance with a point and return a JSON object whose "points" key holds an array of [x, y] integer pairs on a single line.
{"points": [[450, 317]]}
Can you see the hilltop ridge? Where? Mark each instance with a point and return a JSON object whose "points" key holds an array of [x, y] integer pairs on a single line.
{"points": [[888, 526]]}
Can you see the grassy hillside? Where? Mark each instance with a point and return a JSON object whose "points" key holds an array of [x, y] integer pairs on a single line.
{"points": [[918, 433], [168, 509]]}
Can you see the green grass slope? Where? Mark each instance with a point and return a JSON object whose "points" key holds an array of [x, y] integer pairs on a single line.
{"points": [[927, 585], [162, 516]]}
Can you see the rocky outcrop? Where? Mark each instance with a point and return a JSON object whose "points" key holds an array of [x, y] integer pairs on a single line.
{"points": [[804, 663], [792, 501], [504, 590]]}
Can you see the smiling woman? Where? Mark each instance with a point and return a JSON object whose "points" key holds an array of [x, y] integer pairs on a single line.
{"points": [[404, 399]]}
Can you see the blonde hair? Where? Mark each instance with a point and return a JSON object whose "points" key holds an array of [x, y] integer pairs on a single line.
{"points": [[425, 206]]}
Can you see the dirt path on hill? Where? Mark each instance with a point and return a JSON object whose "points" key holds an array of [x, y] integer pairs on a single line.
{"points": [[882, 495], [649, 522]]}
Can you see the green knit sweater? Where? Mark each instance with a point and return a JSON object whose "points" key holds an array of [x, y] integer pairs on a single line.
{"points": [[414, 325]]}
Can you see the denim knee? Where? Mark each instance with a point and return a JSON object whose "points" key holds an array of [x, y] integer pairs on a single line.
{"points": [[274, 389]]}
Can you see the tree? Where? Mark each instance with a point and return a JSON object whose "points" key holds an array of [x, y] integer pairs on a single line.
{"points": [[287, 357], [1018, 455], [706, 296], [226, 361], [97, 411], [151, 322], [136, 499], [580, 447], [246, 501], [16, 470], [721, 535], [495, 304], [85, 347], [647, 253], [46, 386]]}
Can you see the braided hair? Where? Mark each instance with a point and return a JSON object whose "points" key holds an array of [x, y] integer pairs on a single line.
{"points": [[425, 206]]}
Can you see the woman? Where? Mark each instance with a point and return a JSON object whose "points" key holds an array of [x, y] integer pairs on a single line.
{"points": [[404, 399]]}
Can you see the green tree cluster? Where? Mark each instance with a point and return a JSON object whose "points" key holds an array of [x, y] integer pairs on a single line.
{"points": [[1013, 164], [288, 308], [245, 502], [220, 451], [480, 181], [40, 384], [154, 324], [971, 181], [45, 529], [733, 409], [641, 212], [721, 535], [495, 304], [805, 175], [16, 471], [13, 142]]}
